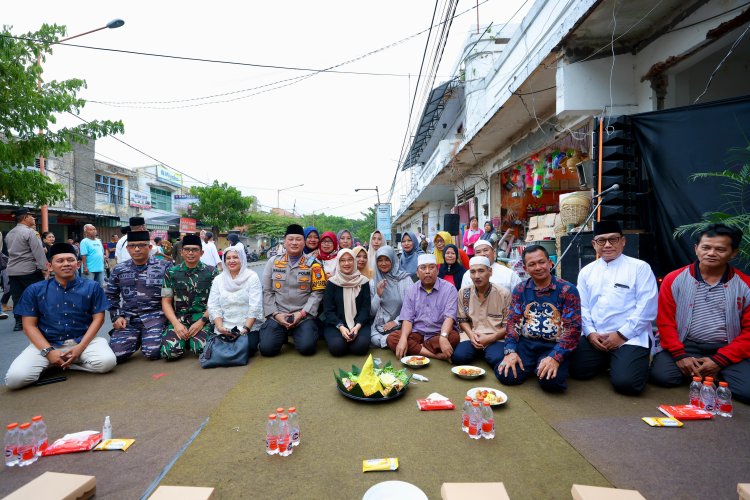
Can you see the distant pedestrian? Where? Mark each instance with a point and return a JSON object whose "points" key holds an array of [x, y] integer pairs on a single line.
{"points": [[92, 255], [210, 255], [48, 239], [120, 247], [27, 262], [111, 252]]}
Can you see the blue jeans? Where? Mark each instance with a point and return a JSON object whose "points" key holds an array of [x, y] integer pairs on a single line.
{"points": [[97, 276], [465, 353], [532, 352]]}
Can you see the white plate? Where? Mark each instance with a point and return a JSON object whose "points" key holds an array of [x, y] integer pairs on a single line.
{"points": [[500, 394], [406, 360], [457, 369], [394, 490]]}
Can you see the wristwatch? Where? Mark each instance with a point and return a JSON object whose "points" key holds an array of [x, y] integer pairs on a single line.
{"points": [[46, 351], [205, 320], [508, 351], [444, 334]]}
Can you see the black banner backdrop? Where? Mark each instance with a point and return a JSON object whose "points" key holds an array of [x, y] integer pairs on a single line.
{"points": [[674, 144]]}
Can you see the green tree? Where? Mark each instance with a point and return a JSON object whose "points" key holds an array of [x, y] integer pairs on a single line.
{"points": [[263, 224], [25, 109], [221, 206], [366, 225]]}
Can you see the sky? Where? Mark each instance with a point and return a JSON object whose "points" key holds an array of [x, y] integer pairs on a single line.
{"points": [[332, 133]]}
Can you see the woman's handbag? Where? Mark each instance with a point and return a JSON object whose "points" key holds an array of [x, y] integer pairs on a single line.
{"points": [[225, 350]]}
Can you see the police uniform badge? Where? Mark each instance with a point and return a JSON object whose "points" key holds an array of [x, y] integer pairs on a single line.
{"points": [[318, 278]]}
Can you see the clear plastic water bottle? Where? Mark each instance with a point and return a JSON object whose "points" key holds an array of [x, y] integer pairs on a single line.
{"points": [[107, 429], [465, 412], [708, 397], [11, 444], [294, 425], [285, 439], [695, 392], [488, 421], [475, 421], [724, 400], [279, 413], [713, 385], [40, 433], [272, 435], [27, 446]]}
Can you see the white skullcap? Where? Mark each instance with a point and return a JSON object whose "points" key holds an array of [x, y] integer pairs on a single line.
{"points": [[478, 259], [426, 258], [479, 243]]}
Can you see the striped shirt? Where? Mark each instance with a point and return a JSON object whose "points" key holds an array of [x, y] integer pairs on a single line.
{"points": [[709, 304]]}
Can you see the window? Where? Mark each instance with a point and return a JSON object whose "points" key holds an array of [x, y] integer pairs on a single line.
{"points": [[111, 186], [161, 199]]}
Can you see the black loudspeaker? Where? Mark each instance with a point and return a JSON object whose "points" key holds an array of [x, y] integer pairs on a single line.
{"points": [[451, 223], [637, 245], [398, 237]]}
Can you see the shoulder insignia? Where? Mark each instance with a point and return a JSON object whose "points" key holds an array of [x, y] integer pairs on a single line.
{"points": [[318, 277]]}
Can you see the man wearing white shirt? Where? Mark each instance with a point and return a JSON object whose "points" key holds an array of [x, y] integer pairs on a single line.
{"points": [[501, 275], [210, 255], [121, 253], [618, 304]]}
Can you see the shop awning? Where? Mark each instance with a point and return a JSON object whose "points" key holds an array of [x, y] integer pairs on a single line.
{"points": [[430, 116], [163, 222]]}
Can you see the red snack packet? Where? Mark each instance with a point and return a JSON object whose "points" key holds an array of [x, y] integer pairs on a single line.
{"points": [[435, 404], [72, 443]]}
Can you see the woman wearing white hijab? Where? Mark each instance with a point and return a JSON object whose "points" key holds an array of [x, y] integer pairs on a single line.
{"points": [[236, 299], [346, 306], [387, 290]]}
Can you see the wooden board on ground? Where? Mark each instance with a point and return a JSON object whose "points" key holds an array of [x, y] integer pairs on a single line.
{"points": [[57, 486]]}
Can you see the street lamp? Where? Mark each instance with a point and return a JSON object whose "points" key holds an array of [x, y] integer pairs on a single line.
{"points": [[115, 23], [278, 191], [370, 189]]}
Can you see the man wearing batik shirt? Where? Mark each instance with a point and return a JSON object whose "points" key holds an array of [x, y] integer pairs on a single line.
{"points": [[544, 326], [184, 301]]}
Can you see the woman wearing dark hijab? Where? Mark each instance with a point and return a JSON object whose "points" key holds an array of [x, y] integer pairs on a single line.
{"points": [[489, 233], [312, 239], [451, 269], [410, 254]]}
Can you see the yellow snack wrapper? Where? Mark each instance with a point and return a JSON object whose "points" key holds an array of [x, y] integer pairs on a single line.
{"points": [[376, 464], [662, 421], [368, 381], [114, 444]]}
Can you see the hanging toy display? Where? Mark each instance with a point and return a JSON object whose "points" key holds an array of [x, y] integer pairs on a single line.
{"points": [[538, 180]]}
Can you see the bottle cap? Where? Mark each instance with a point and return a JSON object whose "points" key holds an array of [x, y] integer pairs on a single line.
{"points": [[25, 425], [468, 398], [11, 426], [696, 379], [480, 398], [292, 409], [475, 404], [710, 379], [285, 417], [706, 383], [724, 384], [36, 419], [272, 416], [279, 410], [487, 403]]}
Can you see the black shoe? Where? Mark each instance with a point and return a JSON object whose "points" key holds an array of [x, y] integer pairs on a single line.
{"points": [[3, 315], [18, 327]]}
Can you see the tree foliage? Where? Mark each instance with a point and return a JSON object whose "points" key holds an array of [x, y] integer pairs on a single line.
{"points": [[264, 224], [25, 109], [221, 206]]}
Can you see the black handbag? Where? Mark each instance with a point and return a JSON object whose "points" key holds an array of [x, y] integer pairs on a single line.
{"points": [[225, 350]]}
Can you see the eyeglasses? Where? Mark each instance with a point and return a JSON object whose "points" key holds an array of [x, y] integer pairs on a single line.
{"points": [[137, 246], [191, 249], [614, 240]]}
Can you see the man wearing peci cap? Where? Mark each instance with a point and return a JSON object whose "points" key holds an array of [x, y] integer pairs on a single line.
{"points": [[61, 317], [428, 315], [27, 262], [501, 275], [185, 302], [292, 293], [618, 304], [482, 316], [134, 293]]}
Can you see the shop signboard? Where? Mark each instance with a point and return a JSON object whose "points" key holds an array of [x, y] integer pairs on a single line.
{"points": [[187, 225], [183, 203], [383, 219], [139, 199], [168, 176]]}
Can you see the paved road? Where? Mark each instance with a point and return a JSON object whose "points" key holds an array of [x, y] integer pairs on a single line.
{"points": [[12, 343]]}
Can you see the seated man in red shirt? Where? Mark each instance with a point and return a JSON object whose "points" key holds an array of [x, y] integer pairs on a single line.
{"points": [[704, 317]]}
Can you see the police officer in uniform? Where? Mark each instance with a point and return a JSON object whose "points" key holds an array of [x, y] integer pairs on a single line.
{"points": [[134, 293], [292, 293]]}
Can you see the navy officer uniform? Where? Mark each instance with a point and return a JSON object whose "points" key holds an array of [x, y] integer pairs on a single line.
{"points": [[134, 293]]}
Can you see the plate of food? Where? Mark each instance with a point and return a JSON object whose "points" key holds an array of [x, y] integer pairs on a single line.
{"points": [[372, 385], [467, 371], [415, 361], [494, 396]]}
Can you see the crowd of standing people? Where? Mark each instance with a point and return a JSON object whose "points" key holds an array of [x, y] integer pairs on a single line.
{"points": [[455, 303]]}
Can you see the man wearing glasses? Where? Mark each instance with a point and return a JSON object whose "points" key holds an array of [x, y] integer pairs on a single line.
{"points": [[27, 262], [618, 304], [185, 302], [134, 293]]}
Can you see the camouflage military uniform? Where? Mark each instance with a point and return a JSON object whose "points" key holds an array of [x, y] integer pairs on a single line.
{"points": [[189, 289], [134, 293]]}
